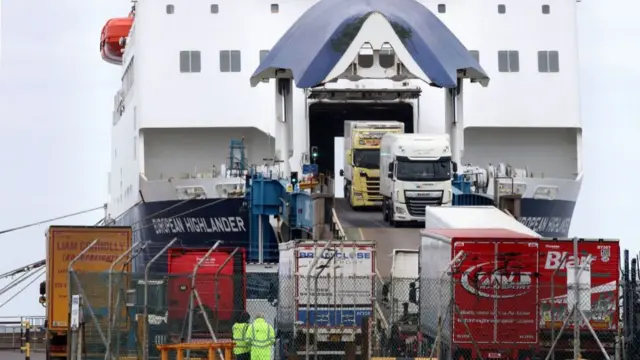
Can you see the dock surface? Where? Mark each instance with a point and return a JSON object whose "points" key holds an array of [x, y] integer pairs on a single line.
{"points": [[17, 355]]}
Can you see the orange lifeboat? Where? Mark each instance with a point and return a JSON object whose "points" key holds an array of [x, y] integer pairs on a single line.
{"points": [[111, 45]]}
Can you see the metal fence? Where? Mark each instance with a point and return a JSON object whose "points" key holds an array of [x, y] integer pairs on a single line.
{"points": [[12, 330], [461, 318]]}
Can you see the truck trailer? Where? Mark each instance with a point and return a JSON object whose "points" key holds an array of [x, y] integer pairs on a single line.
{"points": [[64, 244], [400, 299], [556, 255], [333, 294], [415, 172], [479, 293], [361, 169]]}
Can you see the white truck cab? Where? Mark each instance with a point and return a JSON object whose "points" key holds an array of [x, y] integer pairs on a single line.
{"points": [[415, 172]]}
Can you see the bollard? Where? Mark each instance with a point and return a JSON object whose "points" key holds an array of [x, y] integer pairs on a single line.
{"points": [[27, 341]]}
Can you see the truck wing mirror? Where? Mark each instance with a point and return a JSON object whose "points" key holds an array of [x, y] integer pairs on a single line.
{"points": [[390, 172], [341, 172], [454, 167], [413, 293], [385, 290]]}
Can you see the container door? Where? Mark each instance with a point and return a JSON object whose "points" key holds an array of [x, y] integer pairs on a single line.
{"points": [[516, 295], [474, 294]]}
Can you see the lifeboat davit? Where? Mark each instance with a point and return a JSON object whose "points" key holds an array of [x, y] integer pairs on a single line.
{"points": [[111, 45]]}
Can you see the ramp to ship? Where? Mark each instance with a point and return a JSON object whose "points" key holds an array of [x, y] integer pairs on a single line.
{"points": [[368, 225]]}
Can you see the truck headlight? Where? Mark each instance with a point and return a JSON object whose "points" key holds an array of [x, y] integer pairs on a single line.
{"points": [[400, 211]]}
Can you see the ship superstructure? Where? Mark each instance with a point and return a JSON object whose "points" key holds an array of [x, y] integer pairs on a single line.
{"points": [[186, 96]]}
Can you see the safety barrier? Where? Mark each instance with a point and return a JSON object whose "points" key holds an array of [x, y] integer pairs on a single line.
{"points": [[210, 347]]}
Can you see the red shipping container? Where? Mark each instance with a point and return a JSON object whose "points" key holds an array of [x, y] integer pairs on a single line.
{"points": [[605, 270], [224, 295]]}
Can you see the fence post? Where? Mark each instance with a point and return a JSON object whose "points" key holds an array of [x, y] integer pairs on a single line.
{"points": [[193, 294], [27, 341], [145, 329], [576, 309], [110, 312]]}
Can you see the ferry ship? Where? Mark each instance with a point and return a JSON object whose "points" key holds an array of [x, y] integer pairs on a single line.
{"points": [[187, 120]]}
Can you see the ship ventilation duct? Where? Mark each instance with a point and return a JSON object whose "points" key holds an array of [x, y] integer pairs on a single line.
{"points": [[373, 63], [376, 52]]}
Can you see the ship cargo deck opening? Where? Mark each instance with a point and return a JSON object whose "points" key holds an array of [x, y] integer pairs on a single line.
{"points": [[326, 122]]}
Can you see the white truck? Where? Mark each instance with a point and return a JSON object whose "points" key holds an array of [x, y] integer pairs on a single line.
{"points": [[415, 172], [326, 291]]}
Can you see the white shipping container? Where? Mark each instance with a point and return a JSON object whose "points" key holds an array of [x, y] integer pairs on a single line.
{"points": [[473, 217], [404, 271], [339, 291]]}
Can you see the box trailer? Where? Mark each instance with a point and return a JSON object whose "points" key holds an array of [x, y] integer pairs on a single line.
{"points": [[330, 304], [479, 292]]}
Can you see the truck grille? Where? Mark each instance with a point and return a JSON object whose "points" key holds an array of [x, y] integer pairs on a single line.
{"points": [[373, 186], [417, 205]]}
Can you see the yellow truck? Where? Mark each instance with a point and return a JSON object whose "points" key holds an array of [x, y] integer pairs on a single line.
{"points": [[64, 243], [362, 160]]}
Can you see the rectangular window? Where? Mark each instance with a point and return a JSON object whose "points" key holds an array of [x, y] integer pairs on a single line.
{"points": [[508, 61], [230, 61], [190, 62], [548, 61], [475, 54], [263, 54], [135, 147]]}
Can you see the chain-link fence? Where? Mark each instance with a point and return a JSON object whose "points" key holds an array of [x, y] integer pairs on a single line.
{"points": [[466, 316]]}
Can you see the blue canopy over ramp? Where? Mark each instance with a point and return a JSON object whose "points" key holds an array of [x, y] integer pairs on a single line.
{"points": [[319, 38]]}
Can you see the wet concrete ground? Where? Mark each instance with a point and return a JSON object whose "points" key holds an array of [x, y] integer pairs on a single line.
{"points": [[368, 225], [17, 355]]}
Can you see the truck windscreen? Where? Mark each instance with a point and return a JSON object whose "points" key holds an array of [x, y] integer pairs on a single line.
{"points": [[439, 170], [367, 158]]}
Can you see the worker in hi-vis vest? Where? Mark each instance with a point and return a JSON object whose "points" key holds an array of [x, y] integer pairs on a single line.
{"points": [[261, 338], [242, 349]]}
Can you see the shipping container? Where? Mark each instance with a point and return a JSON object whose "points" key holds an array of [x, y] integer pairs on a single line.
{"points": [[556, 255], [339, 295], [473, 217], [493, 286], [65, 243], [221, 287]]}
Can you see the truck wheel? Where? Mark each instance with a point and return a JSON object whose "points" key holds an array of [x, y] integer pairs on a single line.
{"points": [[391, 221], [462, 354], [525, 355], [385, 210]]}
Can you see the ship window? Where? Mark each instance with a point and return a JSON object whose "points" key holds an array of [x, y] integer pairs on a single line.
{"points": [[170, 9], [230, 61], [546, 9], [263, 54], [508, 61], [502, 9], [386, 56], [442, 8], [365, 56], [190, 62], [548, 61], [475, 54], [214, 8], [135, 147], [275, 8]]}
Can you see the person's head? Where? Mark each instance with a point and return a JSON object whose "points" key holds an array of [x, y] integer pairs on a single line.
{"points": [[245, 317], [259, 316]]}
